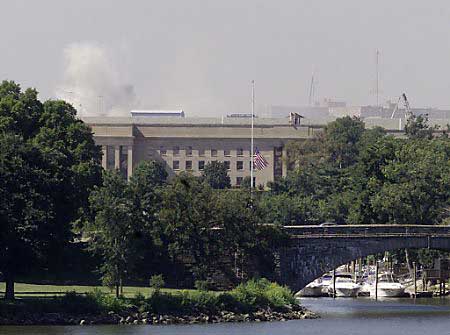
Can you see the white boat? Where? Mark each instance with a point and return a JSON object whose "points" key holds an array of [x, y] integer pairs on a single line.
{"points": [[326, 280], [345, 286], [313, 289], [387, 286]]}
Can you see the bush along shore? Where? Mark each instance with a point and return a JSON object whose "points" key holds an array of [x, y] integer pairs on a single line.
{"points": [[256, 300]]}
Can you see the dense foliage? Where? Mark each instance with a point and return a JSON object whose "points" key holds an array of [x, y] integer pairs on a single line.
{"points": [[182, 228], [354, 176], [49, 164], [196, 231], [216, 175]]}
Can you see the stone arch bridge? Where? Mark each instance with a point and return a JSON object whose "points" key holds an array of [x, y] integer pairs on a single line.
{"points": [[314, 250]]}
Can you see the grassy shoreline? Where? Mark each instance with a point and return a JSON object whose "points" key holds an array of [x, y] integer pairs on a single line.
{"points": [[43, 290], [256, 300]]}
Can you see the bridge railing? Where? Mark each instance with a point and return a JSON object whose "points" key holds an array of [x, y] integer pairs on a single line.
{"points": [[366, 230]]}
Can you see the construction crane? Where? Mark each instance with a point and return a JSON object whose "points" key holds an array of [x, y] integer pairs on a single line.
{"points": [[408, 112]]}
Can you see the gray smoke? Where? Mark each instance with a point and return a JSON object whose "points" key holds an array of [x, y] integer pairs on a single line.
{"points": [[93, 83]]}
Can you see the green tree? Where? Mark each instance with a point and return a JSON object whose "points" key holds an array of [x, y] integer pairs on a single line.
{"points": [[306, 153], [341, 140], [114, 234], [285, 209], [26, 209], [242, 237], [68, 164], [417, 127], [146, 184], [401, 181], [415, 189], [187, 219], [216, 175]]}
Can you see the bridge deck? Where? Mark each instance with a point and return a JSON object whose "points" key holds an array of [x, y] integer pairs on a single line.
{"points": [[358, 231]]}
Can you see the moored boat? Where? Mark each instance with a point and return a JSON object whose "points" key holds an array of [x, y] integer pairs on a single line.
{"points": [[313, 289], [387, 286], [344, 286]]}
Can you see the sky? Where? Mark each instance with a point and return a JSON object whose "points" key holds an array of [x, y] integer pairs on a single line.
{"points": [[110, 56]]}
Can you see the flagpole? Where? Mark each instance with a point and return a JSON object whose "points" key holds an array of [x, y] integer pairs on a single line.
{"points": [[252, 150]]}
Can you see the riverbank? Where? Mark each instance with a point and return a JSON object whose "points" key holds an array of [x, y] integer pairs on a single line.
{"points": [[256, 300], [295, 312]]}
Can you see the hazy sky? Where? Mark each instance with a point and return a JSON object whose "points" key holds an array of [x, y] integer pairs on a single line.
{"points": [[200, 55]]}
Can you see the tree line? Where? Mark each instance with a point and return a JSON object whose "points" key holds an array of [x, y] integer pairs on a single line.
{"points": [[352, 175], [55, 196]]}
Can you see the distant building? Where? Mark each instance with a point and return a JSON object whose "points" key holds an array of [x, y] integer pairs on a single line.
{"points": [[245, 116], [157, 113], [188, 144]]}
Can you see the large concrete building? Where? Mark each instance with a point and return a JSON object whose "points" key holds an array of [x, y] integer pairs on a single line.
{"points": [[188, 144]]}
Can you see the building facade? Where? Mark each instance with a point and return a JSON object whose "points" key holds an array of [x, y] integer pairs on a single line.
{"points": [[188, 144]]}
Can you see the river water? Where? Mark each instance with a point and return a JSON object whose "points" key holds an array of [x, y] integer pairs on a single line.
{"points": [[338, 317]]}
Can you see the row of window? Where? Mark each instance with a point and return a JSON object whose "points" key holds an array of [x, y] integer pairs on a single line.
{"points": [[201, 165], [201, 152]]}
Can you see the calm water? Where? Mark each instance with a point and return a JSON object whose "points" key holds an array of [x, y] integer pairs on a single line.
{"points": [[339, 317]]}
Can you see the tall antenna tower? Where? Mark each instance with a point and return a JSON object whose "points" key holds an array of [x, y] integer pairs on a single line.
{"points": [[376, 90], [311, 90], [377, 80]]}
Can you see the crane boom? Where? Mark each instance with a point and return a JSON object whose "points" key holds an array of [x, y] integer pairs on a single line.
{"points": [[405, 103]]}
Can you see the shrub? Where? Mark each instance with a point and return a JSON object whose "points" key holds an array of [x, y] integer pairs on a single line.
{"points": [[107, 302], [200, 301], [279, 296], [261, 293], [201, 285], [157, 282], [163, 303], [73, 302]]}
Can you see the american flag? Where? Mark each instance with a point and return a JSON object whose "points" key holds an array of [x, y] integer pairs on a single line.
{"points": [[259, 161]]}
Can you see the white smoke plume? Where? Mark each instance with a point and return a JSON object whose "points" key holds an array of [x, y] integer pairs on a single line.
{"points": [[93, 83]]}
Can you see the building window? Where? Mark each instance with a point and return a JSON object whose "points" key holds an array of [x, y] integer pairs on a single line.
{"points": [[227, 153], [201, 152], [189, 151], [176, 165], [188, 165], [110, 157], [123, 155], [239, 181], [162, 151], [176, 151], [278, 162], [227, 165], [201, 165], [240, 152], [213, 152], [239, 165]]}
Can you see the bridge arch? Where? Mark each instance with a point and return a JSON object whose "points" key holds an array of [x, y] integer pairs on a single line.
{"points": [[309, 256]]}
